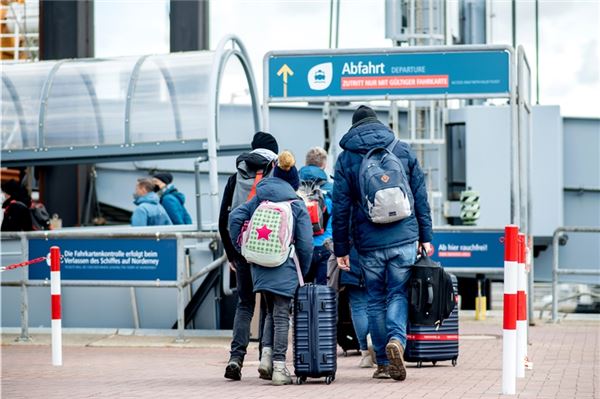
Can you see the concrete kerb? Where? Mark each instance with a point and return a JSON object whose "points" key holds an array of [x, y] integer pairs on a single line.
{"points": [[105, 337]]}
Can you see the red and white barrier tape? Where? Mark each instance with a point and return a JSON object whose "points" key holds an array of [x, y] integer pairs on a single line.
{"points": [[22, 264]]}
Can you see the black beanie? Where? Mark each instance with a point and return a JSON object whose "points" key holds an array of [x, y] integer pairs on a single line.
{"points": [[265, 140], [363, 112], [165, 177], [290, 176]]}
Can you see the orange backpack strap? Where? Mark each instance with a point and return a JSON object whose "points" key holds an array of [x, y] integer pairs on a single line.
{"points": [[257, 178]]}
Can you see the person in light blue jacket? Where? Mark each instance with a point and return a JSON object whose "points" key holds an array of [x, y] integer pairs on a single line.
{"points": [[149, 211], [171, 199]]}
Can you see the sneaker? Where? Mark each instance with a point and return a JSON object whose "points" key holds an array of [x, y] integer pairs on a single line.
{"points": [[281, 375], [366, 361], [395, 354], [265, 368], [382, 372], [233, 371]]}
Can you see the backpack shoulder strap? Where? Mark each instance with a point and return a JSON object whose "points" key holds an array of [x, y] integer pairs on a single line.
{"points": [[257, 178], [392, 146]]}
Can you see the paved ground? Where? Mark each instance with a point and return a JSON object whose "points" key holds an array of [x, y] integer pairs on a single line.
{"points": [[566, 365]]}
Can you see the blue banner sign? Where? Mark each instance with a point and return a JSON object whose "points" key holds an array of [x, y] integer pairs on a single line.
{"points": [[108, 259], [328, 76], [469, 249]]}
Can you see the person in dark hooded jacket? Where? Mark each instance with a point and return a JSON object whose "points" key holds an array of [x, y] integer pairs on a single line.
{"points": [[277, 284], [386, 251], [260, 159], [17, 216], [171, 199]]}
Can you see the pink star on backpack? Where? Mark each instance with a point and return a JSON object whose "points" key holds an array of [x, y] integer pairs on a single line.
{"points": [[263, 233]]}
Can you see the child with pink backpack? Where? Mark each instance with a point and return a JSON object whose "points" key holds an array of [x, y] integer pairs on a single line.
{"points": [[274, 233]]}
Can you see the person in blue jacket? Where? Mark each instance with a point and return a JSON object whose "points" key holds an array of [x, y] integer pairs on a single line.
{"points": [[386, 251], [313, 175], [277, 284], [149, 212], [172, 200]]}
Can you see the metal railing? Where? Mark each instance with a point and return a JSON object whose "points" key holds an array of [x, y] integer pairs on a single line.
{"points": [[181, 283], [556, 271]]}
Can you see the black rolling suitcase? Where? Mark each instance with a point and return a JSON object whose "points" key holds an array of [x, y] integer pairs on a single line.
{"points": [[346, 336], [315, 344], [431, 343]]}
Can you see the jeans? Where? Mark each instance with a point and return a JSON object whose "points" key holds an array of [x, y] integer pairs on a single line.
{"points": [[318, 265], [360, 319], [278, 321], [243, 312], [386, 274]]}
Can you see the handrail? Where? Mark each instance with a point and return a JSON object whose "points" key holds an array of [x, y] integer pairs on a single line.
{"points": [[555, 262], [51, 234], [180, 283]]}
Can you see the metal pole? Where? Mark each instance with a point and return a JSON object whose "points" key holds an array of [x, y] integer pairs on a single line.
{"points": [[134, 308], [537, 52], [200, 159], [514, 23], [24, 310], [337, 23], [180, 295], [514, 145], [331, 23], [555, 276], [24, 295]]}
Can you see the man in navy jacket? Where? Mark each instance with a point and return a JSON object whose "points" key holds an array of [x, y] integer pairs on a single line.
{"points": [[386, 251]]}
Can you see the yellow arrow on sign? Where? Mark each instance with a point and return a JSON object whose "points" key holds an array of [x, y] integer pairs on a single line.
{"points": [[285, 71]]}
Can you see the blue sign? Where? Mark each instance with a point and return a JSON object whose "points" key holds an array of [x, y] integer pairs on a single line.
{"points": [[469, 249], [108, 259], [335, 75]]}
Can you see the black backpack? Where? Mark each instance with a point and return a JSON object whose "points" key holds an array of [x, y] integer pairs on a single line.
{"points": [[40, 218], [431, 295]]}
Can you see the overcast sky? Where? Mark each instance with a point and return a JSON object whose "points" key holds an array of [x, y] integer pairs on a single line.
{"points": [[569, 35]]}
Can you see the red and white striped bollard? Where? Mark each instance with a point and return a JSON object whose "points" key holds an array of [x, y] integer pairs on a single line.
{"points": [[509, 332], [55, 295], [521, 308]]}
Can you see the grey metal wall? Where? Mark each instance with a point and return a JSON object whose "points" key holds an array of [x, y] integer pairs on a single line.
{"points": [[581, 169]]}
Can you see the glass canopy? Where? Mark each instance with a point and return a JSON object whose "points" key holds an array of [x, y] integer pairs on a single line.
{"points": [[128, 107]]}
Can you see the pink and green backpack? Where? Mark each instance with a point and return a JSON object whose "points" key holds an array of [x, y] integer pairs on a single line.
{"points": [[268, 238]]}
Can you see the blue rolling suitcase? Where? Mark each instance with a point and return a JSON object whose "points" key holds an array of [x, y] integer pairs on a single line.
{"points": [[431, 344], [315, 333]]}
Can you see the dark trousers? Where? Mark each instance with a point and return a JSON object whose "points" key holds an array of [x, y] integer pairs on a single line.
{"points": [[243, 312], [277, 321]]}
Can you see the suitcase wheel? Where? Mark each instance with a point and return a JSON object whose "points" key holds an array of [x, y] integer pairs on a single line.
{"points": [[300, 380], [453, 362], [434, 362], [329, 379], [419, 364]]}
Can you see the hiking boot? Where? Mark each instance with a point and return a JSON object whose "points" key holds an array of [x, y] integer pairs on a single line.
{"points": [[265, 368], [366, 361], [233, 371], [382, 372], [281, 375], [395, 354]]}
